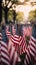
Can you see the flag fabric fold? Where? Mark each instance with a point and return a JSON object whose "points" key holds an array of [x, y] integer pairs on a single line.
{"points": [[31, 51], [8, 55], [17, 41], [4, 55]]}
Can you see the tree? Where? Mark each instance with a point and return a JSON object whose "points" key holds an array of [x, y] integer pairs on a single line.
{"points": [[6, 7], [19, 17], [0, 11], [32, 15]]}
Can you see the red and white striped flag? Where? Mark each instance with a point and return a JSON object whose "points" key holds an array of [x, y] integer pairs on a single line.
{"points": [[14, 57], [8, 56], [22, 45], [4, 55], [31, 51], [17, 41]]}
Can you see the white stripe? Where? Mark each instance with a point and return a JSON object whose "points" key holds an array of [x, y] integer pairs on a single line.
{"points": [[14, 37], [8, 33], [25, 62], [0, 34], [0, 37], [9, 44], [11, 53], [27, 59], [20, 41], [15, 57]]}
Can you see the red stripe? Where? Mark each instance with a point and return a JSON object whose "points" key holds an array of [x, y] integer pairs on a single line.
{"points": [[12, 57]]}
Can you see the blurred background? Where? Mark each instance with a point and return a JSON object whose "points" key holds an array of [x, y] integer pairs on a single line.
{"points": [[17, 11]]}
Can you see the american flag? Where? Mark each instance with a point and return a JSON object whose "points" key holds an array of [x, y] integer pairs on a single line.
{"points": [[31, 51], [22, 45], [14, 57], [8, 55], [17, 41], [4, 55]]}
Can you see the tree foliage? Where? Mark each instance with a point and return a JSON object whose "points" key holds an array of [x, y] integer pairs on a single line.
{"points": [[32, 15], [19, 16]]}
